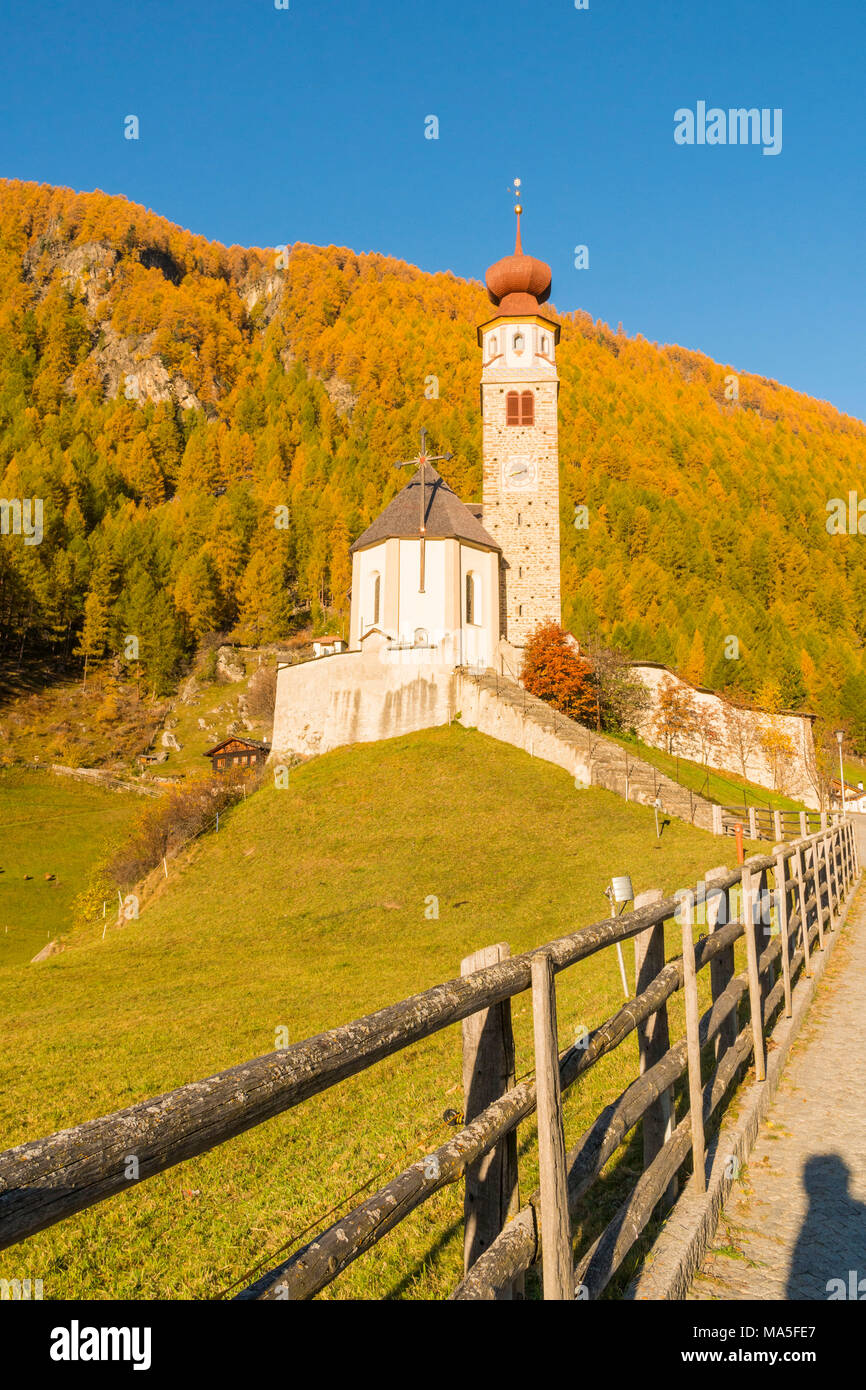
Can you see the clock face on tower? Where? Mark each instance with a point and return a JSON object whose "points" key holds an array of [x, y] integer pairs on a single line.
{"points": [[519, 473]]}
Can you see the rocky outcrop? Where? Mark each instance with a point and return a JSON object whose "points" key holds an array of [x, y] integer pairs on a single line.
{"points": [[228, 668], [266, 290], [130, 367], [341, 395], [87, 269]]}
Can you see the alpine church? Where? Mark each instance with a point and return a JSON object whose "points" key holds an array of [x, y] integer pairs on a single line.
{"points": [[441, 586], [467, 583]]}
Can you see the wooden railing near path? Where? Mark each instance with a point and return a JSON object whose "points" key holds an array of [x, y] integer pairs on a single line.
{"points": [[46, 1180], [765, 823]]}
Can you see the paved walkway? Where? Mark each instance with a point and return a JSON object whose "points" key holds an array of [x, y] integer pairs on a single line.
{"points": [[796, 1218]]}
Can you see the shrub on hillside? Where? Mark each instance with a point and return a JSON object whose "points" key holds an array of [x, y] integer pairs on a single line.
{"points": [[554, 672], [262, 693], [165, 825]]}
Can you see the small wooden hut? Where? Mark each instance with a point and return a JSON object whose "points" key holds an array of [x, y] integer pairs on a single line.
{"points": [[237, 752]]}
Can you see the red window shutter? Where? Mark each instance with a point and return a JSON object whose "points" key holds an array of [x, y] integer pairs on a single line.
{"points": [[512, 408], [527, 408]]}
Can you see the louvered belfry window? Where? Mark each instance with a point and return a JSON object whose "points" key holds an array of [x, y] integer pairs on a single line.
{"points": [[520, 408]]}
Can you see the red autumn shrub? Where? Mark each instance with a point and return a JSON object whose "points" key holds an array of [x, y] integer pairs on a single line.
{"points": [[554, 672]]}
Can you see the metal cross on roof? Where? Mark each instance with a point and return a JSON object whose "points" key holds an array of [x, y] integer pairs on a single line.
{"points": [[421, 463]]}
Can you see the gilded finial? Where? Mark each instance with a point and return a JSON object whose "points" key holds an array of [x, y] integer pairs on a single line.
{"points": [[516, 193]]}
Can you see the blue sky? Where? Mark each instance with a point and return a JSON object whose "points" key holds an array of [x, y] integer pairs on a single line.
{"points": [[264, 126]]}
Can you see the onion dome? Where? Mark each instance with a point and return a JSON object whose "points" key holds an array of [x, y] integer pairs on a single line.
{"points": [[518, 284]]}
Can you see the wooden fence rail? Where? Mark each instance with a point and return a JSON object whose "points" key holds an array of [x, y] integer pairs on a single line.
{"points": [[44, 1181], [767, 823]]}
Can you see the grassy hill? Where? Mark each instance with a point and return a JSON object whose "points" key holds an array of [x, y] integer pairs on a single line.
{"points": [[308, 909], [165, 396], [49, 826]]}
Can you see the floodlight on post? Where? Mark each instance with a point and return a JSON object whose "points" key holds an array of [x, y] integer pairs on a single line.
{"points": [[620, 890]]}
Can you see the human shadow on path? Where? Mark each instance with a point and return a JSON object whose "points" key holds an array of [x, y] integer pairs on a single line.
{"points": [[832, 1240]]}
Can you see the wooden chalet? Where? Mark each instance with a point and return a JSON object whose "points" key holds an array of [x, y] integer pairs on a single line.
{"points": [[237, 752]]}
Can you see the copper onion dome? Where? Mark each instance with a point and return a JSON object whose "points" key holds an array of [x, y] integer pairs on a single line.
{"points": [[518, 284]]}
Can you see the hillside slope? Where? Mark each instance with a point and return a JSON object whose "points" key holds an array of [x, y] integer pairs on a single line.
{"points": [[164, 395], [312, 906]]}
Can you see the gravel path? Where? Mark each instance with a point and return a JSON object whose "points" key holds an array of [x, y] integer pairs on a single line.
{"points": [[796, 1217]]}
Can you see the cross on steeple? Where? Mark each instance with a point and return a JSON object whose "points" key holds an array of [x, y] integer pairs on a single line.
{"points": [[421, 463]]}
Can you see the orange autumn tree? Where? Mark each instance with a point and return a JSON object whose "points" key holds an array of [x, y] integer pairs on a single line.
{"points": [[554, 672]]}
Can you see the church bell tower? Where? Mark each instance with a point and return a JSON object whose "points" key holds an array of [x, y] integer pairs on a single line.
{"points": [[519, 393]]}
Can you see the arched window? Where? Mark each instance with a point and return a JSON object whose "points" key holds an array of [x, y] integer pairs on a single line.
{"points": [[520, 408], [544, 342], [473, 598], [519, 342], [420, 637], [375, 595], [492, 344]]}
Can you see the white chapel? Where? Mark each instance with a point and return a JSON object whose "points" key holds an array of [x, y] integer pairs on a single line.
{"points": [[440, 586]]}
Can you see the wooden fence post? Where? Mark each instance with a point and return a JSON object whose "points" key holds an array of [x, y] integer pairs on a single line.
{"points": [[849, 840], [693, 1045], [752, 954], [753, 823], [816, 875], [763, 928], [832, 885], [804, 921], [781, 885], [823, 820], [491, 1195], [653, 1036], [721, 966], [556, 1251], [777, 824], [841, 859], [804, 827], [838, 866]]}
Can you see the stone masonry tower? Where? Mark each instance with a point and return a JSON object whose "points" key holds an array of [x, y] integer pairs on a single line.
{"points": [[519, 391]]}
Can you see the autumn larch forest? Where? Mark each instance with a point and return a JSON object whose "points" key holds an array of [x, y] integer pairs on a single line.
{"points": [[210, 428]]}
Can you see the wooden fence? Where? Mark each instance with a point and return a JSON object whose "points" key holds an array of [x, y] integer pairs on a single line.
{"points": [[46, 1180], [765, 823]]}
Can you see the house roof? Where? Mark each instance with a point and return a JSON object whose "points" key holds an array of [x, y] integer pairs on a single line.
{"points": [[237, 738], [445, 516]]}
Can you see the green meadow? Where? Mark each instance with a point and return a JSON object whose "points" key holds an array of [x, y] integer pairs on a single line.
{"points": [[54, 826], [366, 879]]}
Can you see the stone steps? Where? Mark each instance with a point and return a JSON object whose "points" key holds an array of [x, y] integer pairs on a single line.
{"points": [[610, 765]]}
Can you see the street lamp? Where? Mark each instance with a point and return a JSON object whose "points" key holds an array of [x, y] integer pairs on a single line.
{"points": [[620, 890], [840, 734]]}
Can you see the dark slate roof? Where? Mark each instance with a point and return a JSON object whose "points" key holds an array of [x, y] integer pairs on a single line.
{"points": [[446, 516]]}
